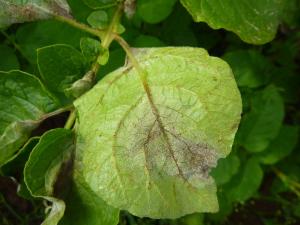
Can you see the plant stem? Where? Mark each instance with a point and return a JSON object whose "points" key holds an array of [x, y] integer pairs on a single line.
{"points": [[81, 26], [71, 120], [135, 63], [293, 185], [108, 38]]}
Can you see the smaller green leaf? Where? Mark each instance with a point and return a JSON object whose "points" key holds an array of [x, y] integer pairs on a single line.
{"points": [[51, 155], [281, 146], [250, 68], [13, 11], [262, 124], [8, 59], [60, 65], [90, 48], [154, 11], [225, 169], [24, 103], [98, 19], [103, 56], [247, 182]]}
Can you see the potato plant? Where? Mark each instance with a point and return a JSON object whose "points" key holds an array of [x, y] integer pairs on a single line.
{"points": [[149, 112]]}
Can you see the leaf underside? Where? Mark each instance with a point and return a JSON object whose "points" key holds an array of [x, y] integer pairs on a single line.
{"points": [[13, 11], [150, 151]]}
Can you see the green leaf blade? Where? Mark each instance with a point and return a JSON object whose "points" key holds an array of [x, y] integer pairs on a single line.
{"points": [[253, 21], [23, 103], [60, 65], [158, 160]]}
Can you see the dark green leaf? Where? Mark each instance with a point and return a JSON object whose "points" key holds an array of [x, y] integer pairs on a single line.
{"points": [[281, 146], [48, 158], [60, 66], [247, 182], [250, 68], [24, 102], [154, 11], [8, 59], [225, 169], [262, 124], [35, 35], [147, 41]]}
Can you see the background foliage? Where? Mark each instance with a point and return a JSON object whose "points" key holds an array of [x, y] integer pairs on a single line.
{"points": [[259, 183]]}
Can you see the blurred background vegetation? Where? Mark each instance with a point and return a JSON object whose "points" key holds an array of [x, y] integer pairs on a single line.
{"points": [[259, 183]]}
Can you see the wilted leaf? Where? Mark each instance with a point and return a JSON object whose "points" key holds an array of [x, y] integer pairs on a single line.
{"points": [[254, 21], [23, 104], [13, 11], [150, 152]]}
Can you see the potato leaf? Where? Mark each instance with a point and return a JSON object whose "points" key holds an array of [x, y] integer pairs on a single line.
{"points": [[252, 20], [149, 150], [24, 102], [13, 11]]}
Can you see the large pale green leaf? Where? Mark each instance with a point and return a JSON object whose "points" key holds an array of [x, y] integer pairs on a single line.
{"points": [[24, 102], [149, 149], [255, 21], [14, 11], [51, 155]]}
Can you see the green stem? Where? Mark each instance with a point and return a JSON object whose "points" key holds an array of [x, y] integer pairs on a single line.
{"points": [[81, 26], [56, 112], [71, 120], [108, 38], [132, 59], [292, 185]]}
